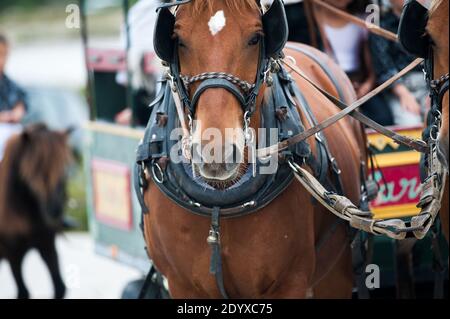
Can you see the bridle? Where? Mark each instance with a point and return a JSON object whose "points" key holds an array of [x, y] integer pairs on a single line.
{"points": [[246, 93], [438, 87]]}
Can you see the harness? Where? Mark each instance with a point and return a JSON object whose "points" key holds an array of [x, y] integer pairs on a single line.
{"points": [[173, 174]]}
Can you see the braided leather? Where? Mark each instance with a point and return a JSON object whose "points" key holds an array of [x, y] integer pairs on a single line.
{"points": [[244, 85]]}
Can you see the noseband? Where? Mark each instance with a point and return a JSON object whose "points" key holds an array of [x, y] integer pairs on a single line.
{"points": [[245, 92]]}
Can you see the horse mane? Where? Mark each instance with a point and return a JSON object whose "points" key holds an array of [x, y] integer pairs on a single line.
{"points": [[35, 159], [199, 5]]}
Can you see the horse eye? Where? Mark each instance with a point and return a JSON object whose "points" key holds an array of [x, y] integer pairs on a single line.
{"points": [[254, 40], [181, 44]]}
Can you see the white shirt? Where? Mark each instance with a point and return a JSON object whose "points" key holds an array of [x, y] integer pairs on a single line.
{"points": [[142, 19], [6, 132], [346, 44]]}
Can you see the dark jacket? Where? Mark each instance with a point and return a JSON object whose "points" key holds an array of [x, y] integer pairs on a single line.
{"points": [[10, 94]]}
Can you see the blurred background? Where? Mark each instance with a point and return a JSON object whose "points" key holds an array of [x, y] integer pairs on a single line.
{"points": [[47, 60]]}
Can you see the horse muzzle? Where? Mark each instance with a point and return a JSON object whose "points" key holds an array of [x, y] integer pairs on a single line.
{"points": [[222, 166]]}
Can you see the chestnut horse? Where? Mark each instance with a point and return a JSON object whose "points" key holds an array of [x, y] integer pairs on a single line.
{"points": [[271, 253], [438, 29], [32, 200]]}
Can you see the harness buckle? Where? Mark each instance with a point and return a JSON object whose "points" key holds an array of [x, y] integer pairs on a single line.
{"points": [[249, 204]]}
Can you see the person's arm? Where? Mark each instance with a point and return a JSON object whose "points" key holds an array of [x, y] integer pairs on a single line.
{"points": [[385, 68], [407, 100], [125, 117], [15, 115]]}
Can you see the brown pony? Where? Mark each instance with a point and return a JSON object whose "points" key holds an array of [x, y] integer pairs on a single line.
{"points": [[438, 29], [32, 199], [271, 253]]}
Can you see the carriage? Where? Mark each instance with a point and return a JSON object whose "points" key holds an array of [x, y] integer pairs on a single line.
{"points": [[115, 220]]}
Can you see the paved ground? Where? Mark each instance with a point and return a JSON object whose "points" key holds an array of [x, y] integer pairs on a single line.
{"points": [[85, 274]]}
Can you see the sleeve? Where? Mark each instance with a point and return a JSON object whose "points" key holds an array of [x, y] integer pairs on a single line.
{"points": [[17, 95], [383, 63]]}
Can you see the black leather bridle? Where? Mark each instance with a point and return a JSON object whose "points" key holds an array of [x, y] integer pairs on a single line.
{"points": [[246, 93]]}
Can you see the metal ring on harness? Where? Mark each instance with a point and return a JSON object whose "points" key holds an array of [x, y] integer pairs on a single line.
{"points": [[434, 132], [158, 179]]}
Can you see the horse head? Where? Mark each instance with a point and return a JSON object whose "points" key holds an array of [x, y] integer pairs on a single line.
{"points": [[220, 51]]}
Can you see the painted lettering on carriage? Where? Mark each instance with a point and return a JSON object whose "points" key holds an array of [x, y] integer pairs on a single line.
{"points": [[403, 190]]}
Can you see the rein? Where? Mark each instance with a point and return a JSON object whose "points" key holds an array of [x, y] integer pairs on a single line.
{"points": [[417, 145]]}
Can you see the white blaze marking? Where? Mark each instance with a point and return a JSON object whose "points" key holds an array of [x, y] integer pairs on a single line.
{"points": [[217, 22]]}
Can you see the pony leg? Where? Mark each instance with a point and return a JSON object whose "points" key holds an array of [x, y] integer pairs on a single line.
{"points": [[16, 268], [48, 253]]}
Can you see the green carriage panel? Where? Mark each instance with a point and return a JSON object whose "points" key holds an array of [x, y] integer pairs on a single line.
{"points": [[114, 211]]}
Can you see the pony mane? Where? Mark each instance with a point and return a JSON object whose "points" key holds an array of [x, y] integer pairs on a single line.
{"points": [[35, 159]]}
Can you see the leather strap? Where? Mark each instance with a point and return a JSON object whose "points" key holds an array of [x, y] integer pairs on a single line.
{"points": [[417, 145], [216, 254], [217, 84], [138, 187]]}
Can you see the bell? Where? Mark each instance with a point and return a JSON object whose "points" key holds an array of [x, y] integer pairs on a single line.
{"points": [[269, 80], [274, 67], [212, 238]]}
